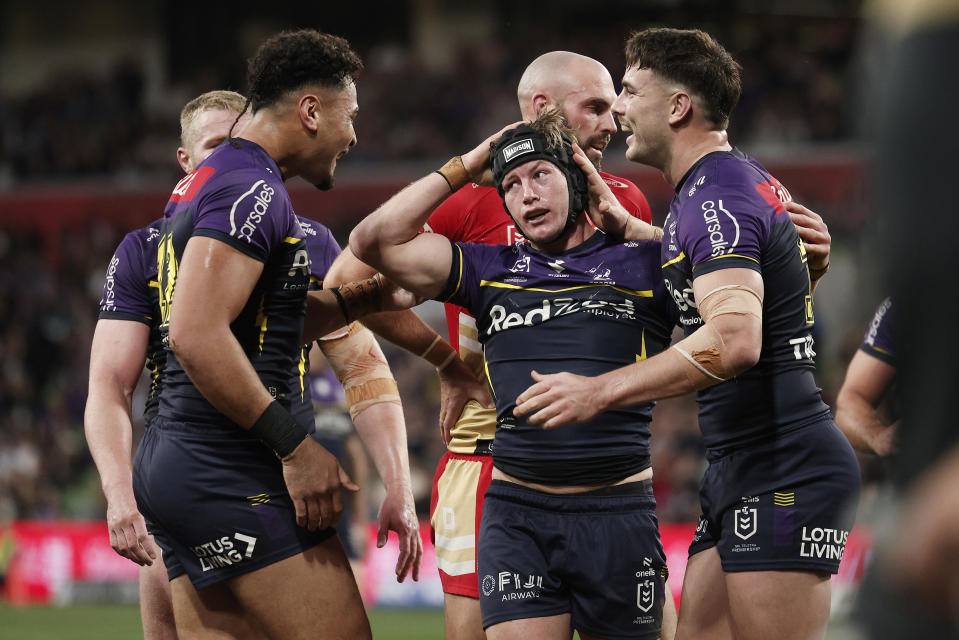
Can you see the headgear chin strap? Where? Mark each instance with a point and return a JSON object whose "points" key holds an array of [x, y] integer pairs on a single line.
{"points": [[523, 144]]}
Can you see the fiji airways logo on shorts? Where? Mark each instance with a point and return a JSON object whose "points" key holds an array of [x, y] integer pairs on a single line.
{"points": [[746, 522], [512, 586], [517, 149]]}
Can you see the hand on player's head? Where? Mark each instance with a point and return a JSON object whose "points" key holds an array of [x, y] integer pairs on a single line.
{"points": [[477, 160], [604, 209]]}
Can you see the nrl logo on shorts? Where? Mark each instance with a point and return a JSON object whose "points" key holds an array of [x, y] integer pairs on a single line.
{"points": [[645, 595], [517, 148], [745, 523]]}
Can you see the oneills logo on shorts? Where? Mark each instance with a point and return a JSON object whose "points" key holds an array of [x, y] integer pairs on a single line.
{"points": [[517, 149]]}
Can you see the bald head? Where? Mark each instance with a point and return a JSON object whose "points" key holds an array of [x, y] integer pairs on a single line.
{"points": [[580, 88], [554, 76]]}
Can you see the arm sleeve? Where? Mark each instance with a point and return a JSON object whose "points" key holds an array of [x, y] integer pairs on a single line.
{"points": [[247, 212], [878, 341], [463, 285], [722, 230], [126, 290], [323, 249]]}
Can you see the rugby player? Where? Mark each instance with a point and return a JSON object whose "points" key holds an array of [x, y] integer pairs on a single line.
{"points": [[127, 337], [250, 527], [581, 88], [779, 493], [569, 538], [130, 311], [869, 380]]}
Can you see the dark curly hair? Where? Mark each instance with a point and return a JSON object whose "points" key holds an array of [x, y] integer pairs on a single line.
{"points": [[693, 59], [292, 59]]}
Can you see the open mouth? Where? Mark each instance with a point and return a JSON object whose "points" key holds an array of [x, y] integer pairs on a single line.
{"points": [[535, 214], [624, 126]]}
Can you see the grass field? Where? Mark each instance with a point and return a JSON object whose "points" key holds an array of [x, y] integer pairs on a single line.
{"points": [[122, 622]]}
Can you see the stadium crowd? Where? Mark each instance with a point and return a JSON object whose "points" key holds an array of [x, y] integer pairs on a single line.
{"points": [[83, 125]]}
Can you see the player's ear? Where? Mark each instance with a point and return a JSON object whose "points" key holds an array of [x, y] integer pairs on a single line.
{"points": [[680, 107], [183, 159], [309, 109], [540, 101]]}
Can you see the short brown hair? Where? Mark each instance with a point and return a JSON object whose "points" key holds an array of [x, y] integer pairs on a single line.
{"points": [[693, 59], [219, 99]]}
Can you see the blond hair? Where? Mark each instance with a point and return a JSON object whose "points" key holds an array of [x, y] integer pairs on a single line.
{"points": [[552, 124], [209, 101]]}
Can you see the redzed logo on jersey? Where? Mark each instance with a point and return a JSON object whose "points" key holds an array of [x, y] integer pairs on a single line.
{"points": [[186, 189]]}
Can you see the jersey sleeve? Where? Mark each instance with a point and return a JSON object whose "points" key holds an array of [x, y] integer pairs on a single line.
{"points": [[126, 291], [466, 271], [246, 212], [723, 229], [323, 249], [879, 339]]}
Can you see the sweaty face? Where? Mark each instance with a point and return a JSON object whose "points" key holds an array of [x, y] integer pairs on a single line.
{"points": [[587, 109], [208, 130], [335, 135], [642, 109], [537, 197]]}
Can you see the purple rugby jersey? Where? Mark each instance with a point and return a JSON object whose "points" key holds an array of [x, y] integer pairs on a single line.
{"points": [[131, 292], [728, 213], [589, 310], [323, 250], [237, 196], [879, 339]]}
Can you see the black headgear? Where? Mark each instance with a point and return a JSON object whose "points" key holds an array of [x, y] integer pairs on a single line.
{"points": [[523, 144]]}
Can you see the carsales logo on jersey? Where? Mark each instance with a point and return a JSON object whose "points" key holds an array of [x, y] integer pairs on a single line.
{"points": [[261, 202], [718, 241]]}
